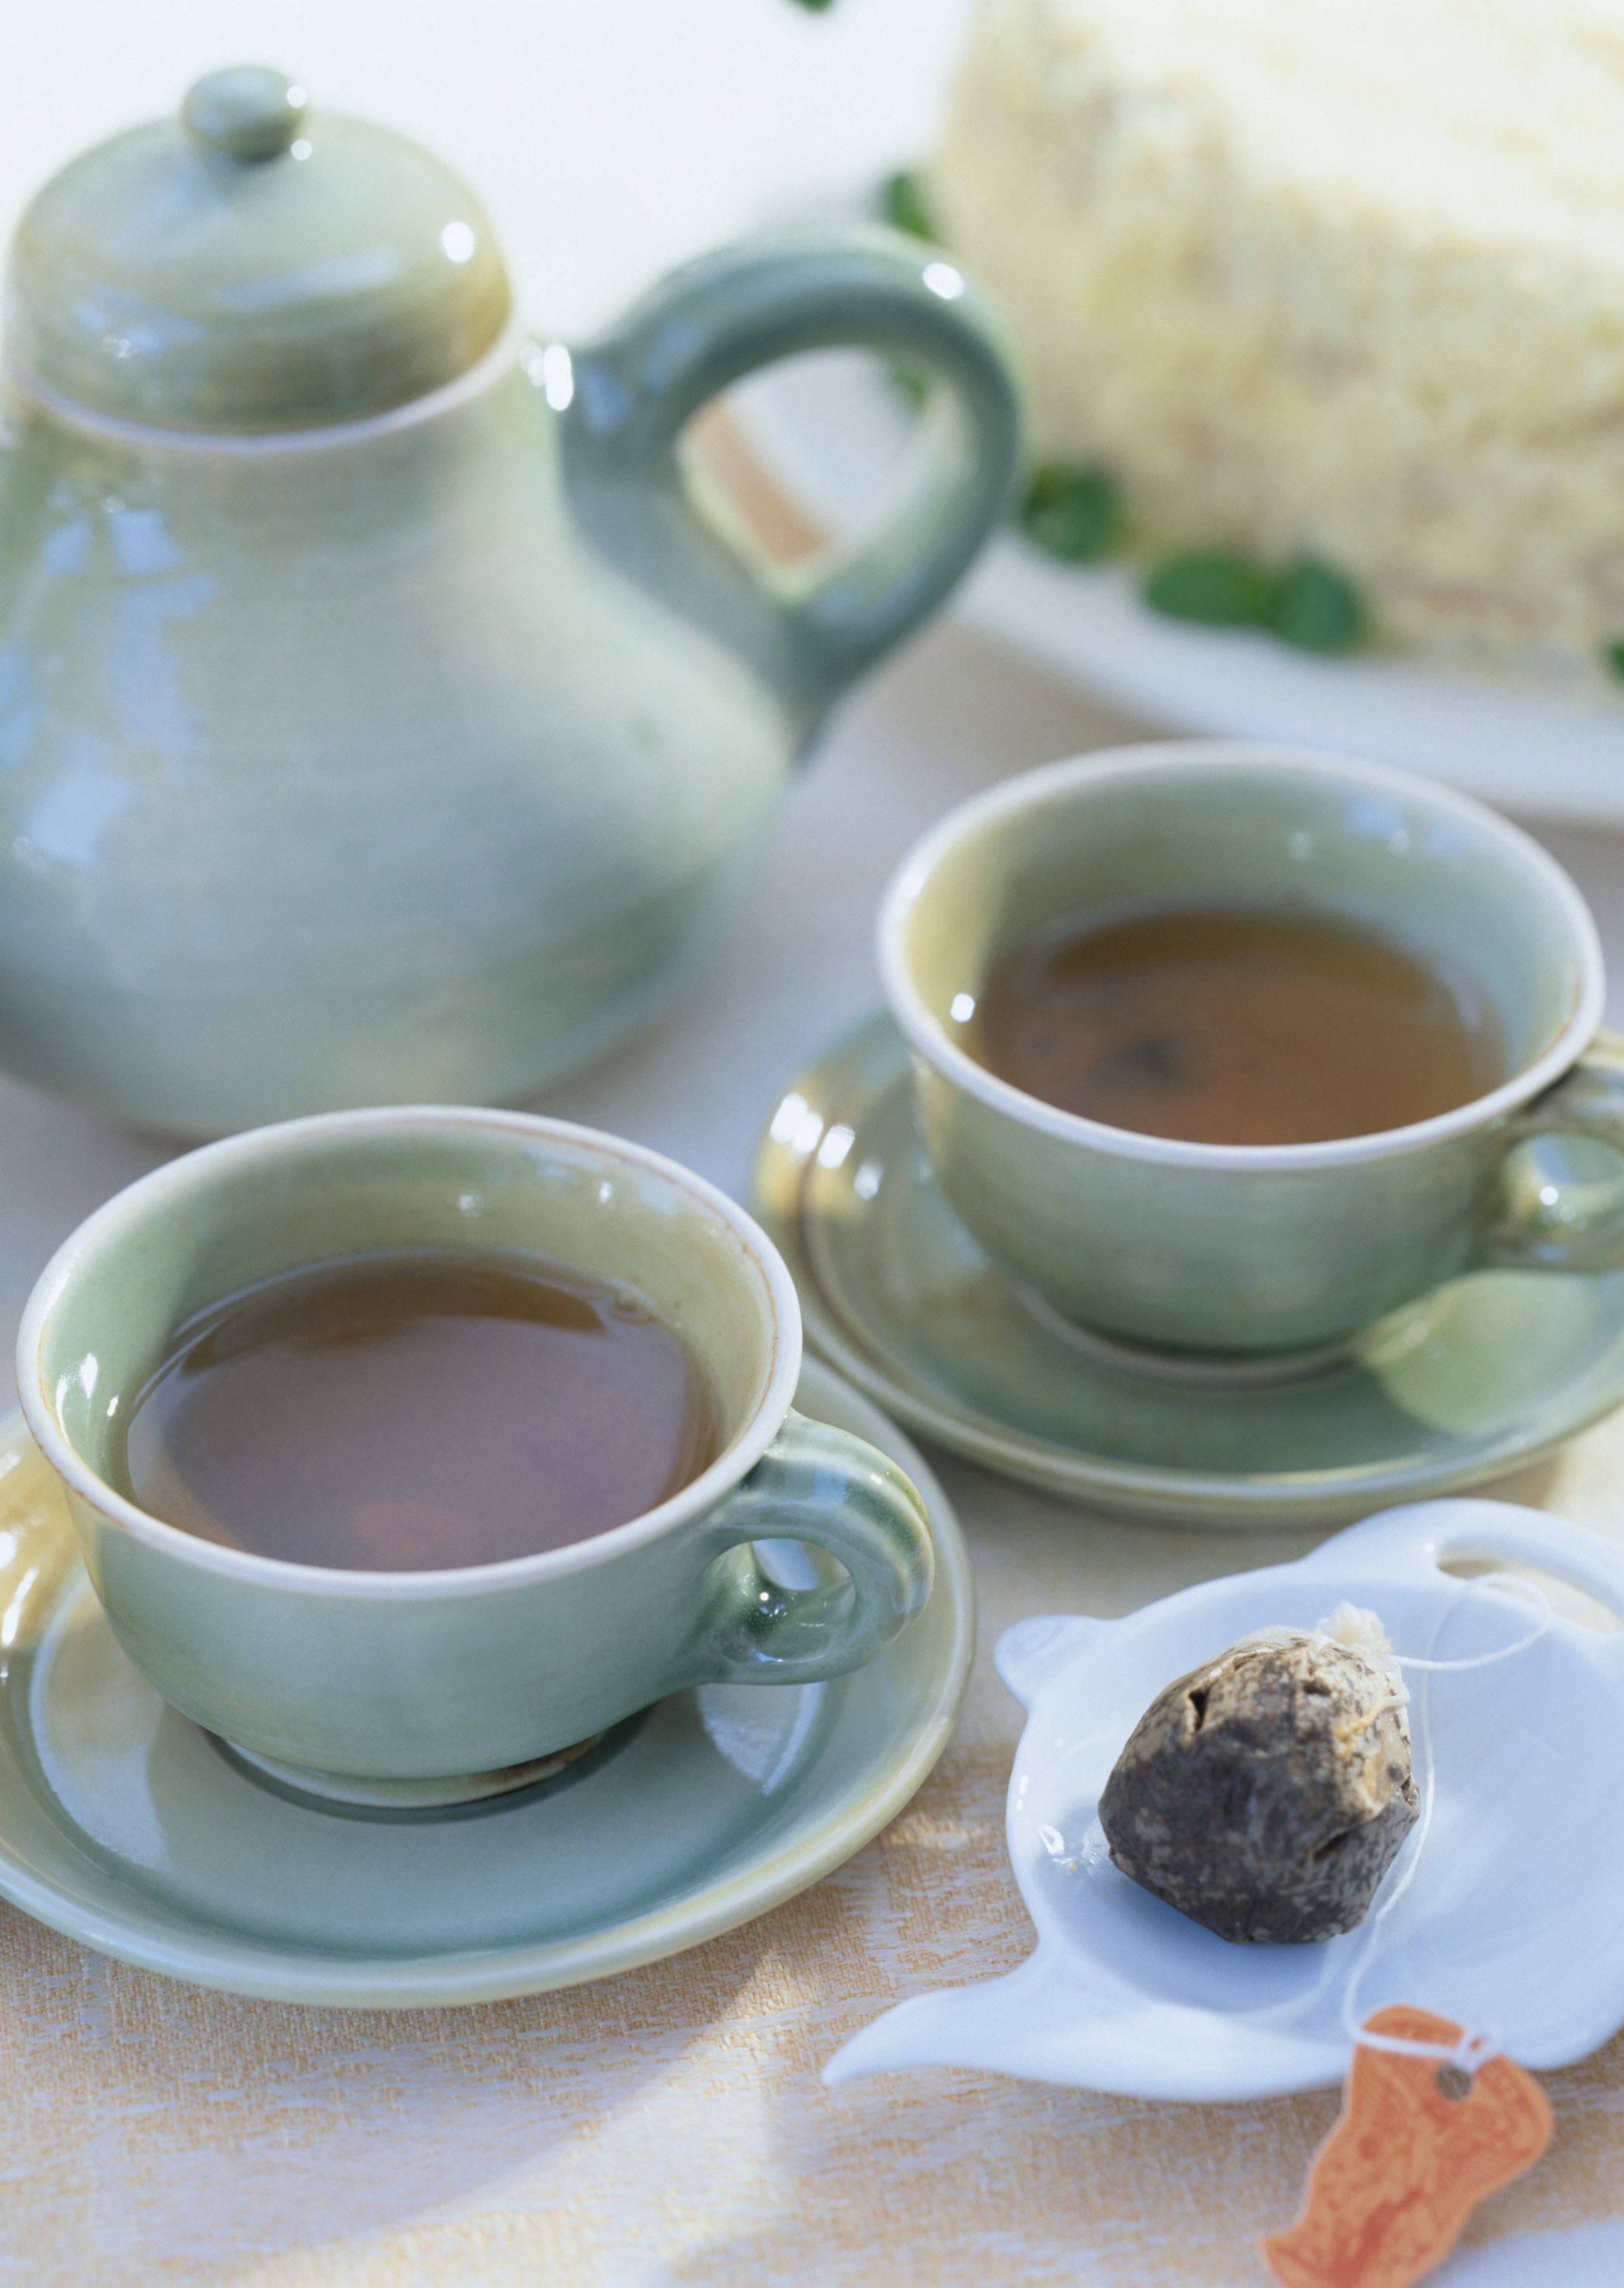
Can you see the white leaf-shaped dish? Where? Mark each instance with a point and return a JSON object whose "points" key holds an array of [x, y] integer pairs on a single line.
{"points": [[1513, 1921]]}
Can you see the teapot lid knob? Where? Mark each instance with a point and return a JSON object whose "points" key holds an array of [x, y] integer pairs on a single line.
{"points": [[246, 112]]}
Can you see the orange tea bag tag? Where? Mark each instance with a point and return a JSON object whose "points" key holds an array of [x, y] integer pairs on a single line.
{"points": [[1417, 2145]]}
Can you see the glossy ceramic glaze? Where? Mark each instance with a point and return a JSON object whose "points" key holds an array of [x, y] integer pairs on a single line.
{"points": [[1487, 1372], [379, 719], [1512, 1924], [1265, 1247], [251, 266], [126, 1826], [355, 1683]]}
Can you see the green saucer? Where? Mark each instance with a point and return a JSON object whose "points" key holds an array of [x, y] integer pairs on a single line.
{"points": [[1487, 1373], [124, 1825]]}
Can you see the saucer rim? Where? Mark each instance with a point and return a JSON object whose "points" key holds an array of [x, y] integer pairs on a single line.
{"points": [[152, 1936], [1221, 1503]]}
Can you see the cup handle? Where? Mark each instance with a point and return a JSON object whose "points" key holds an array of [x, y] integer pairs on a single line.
{"points": [[635, 390], [1528, 1232], [821, 1485]]}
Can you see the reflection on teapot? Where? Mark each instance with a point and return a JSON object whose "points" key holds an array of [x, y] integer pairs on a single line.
{"points": [[379, 719]]}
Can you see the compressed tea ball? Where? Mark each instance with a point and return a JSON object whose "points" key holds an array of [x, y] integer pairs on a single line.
{"points": [[1266, 1793]]}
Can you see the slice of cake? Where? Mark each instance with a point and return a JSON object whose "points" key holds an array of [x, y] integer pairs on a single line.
{"points": [[1333, 278]]}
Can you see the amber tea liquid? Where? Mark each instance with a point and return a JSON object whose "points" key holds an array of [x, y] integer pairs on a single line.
{"points": [[1233, 1026], [408, 1412]]}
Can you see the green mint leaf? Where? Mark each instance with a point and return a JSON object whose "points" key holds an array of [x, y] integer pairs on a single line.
{"points": [[1317, 609], [1074, 513], [902, 202], [1613, 654], [1218, 590]]}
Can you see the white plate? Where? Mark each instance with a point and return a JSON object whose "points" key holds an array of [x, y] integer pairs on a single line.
{"points": [[833, 435], [1514, 1920]]}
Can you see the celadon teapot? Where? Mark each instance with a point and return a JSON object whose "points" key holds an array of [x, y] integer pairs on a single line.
{"points": [[379, 718]]}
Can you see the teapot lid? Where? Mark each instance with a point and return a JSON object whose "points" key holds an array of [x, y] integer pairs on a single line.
{"points": [[252, 266]]}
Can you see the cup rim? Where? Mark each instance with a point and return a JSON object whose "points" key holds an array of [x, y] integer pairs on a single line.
{"points": [[164, 1185], [1050, 782]]}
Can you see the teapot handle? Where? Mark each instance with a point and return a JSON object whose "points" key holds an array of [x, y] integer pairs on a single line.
{"points": [[635, 390]]}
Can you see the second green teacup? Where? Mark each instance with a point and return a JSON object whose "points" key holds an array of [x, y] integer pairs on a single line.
{"points": [[1238, 1248], [428, 1685]]}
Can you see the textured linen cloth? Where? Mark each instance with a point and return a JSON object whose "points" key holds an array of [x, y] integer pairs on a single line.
{"points": [[669, 2125]]}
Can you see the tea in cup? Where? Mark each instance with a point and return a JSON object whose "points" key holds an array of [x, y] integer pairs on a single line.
{"points": [[416, 1411], [1225, 1047], [407, 1448]]}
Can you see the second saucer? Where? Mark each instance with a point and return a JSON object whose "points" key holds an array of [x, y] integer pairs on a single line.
{"points": [[1485, 1374]]}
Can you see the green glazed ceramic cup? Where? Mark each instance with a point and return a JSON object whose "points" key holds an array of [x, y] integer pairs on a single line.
{"points": [[1229, 1248], [428, 1687]]}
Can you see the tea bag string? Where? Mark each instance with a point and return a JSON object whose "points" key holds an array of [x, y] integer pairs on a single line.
{"points": [[1477, 2044]]}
